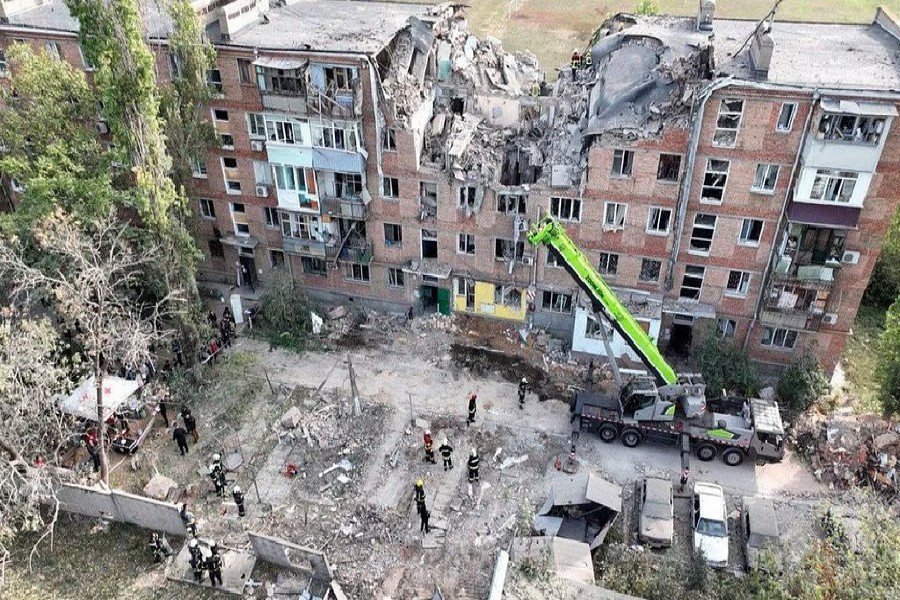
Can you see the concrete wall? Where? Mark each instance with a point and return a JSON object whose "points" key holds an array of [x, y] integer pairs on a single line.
{"points": [[122, 507], [291, 556]]}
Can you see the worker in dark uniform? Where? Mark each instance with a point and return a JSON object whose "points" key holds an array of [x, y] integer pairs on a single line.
{"points": [[197, 567], [190, 423], [446, 451], [429, 447], [523, 389], [472, 408], [424, 514], [179, 434], [473, 466], [190, 524], [214, 565], [160, 547], [216, 473], [238, 496], [419, 491]]}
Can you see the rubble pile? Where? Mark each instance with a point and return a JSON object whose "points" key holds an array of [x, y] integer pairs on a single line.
{"points": [[847, 450]]}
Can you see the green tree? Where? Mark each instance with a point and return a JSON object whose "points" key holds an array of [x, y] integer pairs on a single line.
{"points": [[48, 132], [801, 384], [725, 367], [884, 285], [888, 370]]}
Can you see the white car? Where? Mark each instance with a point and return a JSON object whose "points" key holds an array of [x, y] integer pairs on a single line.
{"points": [[710, 524]]}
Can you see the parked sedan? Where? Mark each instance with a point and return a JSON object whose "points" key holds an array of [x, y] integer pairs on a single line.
{"points": [[710, 523], [656, 521]]}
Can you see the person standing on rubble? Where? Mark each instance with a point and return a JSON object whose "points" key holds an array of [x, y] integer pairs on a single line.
{"points": [[473, 466], [215, 473], [160, 547], [419, 491], [197, 567], [187, 517], [429, 447], [179, 434], [425, 514], [446, 451], [190, 423], [523, 390], [473, 407], [214, 565]]}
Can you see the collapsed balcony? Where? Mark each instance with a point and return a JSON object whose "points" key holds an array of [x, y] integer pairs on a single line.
{"points": [[293, 85]]}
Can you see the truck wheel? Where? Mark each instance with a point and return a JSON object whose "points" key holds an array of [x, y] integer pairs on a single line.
{"points": [[732, 457], [706, 452], [608, 433], [631, 438]]}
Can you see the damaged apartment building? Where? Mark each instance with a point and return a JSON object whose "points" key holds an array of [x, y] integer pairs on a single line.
{"points": [[723, 175]]}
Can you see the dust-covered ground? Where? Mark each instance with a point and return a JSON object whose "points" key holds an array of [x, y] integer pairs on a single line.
{"points": [[352, 497]]}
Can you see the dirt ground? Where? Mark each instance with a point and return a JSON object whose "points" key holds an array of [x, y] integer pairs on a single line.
{"points": [[353, 495]]}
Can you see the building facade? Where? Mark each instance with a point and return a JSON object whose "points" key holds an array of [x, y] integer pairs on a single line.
{"points": [[380, 154]]}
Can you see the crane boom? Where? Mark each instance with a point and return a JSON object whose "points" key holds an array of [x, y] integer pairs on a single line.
{"points": [[548, 231]]}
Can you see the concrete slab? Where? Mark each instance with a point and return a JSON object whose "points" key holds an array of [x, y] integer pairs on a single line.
{"points": [[237, 567]]}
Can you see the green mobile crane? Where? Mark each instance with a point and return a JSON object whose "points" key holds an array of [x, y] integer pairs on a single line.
{"points": [[667, 407]]}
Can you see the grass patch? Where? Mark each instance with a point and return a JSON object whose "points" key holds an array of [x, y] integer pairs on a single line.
{"points": [[861, 357]]}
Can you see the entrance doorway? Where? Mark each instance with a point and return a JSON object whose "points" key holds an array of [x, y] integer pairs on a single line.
{"points": [[247, 272], [429, 295], [682, 335]]}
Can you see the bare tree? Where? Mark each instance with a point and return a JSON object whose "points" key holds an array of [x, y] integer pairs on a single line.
{"points": [[95, 277]]}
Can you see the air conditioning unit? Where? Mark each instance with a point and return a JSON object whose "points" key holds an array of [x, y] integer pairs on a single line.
{"points": [[102, 127], [257, 145], [528, 260], [262, 191], [850, 258], [830, 318]]}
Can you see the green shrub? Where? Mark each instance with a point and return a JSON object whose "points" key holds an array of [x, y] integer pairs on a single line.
{"points": [[887, 372], [647, 7], [725, 367], [801, 384], [285, 317]]}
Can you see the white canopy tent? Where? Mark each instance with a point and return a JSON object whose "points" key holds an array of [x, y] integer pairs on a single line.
{"points": [[82, 402]]}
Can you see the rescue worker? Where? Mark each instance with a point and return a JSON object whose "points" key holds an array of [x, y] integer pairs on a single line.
{"points": [[194, 549], [188, 519], [190, 423], [179, 434], [419, 491], [197, 568], [238, 496], [161, 548], [684, 478], [523, 389], [216, 472], [429, 447], [446, 451], [472, 409], [425, 515], [214, 565], [473, 466], [576, 59]]}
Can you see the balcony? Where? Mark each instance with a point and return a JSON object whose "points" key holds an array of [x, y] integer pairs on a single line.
{"points": [[791, 319], [340, 104], [304, 247], [819, 277], [345, 208], [359, 251]]}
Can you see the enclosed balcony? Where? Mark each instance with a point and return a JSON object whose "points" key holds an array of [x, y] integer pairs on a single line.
{"points": [[291, 84]]}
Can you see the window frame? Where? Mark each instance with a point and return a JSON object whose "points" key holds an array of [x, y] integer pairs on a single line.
{"points": [[746, 241], [698, 226], [215, 115], [207, 209], [394, 184], [389, 139], [271, 217], [725, 130], [560, 205], [272, 253], [199, 170], [608, 264], [466, 197], [356, 272], [790, 124], [659, 168], [396, 278], [307, 266], [397, 229], [254, 120], [726, 328], [463, 245], [650, 220], [743, 283], [829, 129], [564, 300], [695, 272], [766, 169], [829, 176], [622, 163], [710, 174], [645, 261], [788, 341], [505, 199], [616, 224], [245, 67], [214, 81], [516, 247]]}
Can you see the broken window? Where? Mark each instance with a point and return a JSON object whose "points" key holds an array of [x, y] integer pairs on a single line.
{"points": [[609, 263], [356, 272], [395, 277], [692, 282], [766, 178], [728, 122], [276, 258], [786, 116], [465, 243], [220, 115], [214, 81], [658, 220], [702, 233], [216, 250], [507, 250], [622, 162], [614, 215], [227, 141], [284, 131], [557, 302], [271, 216], [751, 231], [511, 204], [388, 139], [650, 270], [566, 209], [669, 167], [198, 168], [390, 187], [851, 128], [553, 260], [821, 245], [779, 338], [428, 199], [466, 197], [429, 243], [312, 266], [337, 135], [508, 295], [738, 283], [833, 186], [714, 180], [393, 234], [243, 66], [256, 125], [466, 288], [284, 82], [348, 185], [593, 331], [338, 78], [726, 328], [207, 211], [300, 226]]}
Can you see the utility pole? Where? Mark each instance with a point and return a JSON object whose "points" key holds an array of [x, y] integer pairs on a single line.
{"points": [[357, 409]]}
